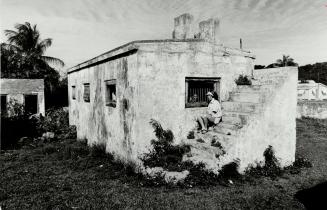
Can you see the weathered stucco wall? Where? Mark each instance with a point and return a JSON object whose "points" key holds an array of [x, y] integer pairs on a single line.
{"points": [[276, 125], [314, 109], [162, 69], [97, 122], [15, 89]]}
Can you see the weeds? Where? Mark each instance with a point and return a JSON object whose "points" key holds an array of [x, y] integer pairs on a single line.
{"points": [[190, 135], [243, 80], [271, 167], [164, 154], [230, 171]]}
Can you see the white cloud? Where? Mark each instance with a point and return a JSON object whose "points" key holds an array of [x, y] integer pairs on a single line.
{"points": [[82, 29]]}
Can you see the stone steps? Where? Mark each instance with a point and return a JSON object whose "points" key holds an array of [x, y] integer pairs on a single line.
{"points": [[250, 96], [236, 118], [232, 106], [228, 129], [254, 88], [245, 102]]}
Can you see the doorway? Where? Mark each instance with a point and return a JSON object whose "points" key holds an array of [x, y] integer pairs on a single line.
{"points": [[30, 104]]}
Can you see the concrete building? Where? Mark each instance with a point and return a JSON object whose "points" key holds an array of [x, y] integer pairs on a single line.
{"points": [[310, 90], [29, 92], [113, 96]]}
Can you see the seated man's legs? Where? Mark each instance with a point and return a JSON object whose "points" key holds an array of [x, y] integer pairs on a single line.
{"points": [[209, 120], [200, 121]]}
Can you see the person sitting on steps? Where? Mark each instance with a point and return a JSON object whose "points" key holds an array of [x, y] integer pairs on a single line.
{"points": [[213, 114]]}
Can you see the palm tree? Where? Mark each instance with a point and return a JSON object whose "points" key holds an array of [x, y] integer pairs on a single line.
{"points": [[286, 61], [29, 49]]}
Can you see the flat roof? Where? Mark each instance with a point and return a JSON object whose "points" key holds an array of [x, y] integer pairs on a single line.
{"points": [[12, 86], [132, 47]]}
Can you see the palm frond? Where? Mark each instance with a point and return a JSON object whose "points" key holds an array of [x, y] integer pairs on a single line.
{"points": [[53, 60], [279, 61], [10, 47], [10, 33], [43, 45]]}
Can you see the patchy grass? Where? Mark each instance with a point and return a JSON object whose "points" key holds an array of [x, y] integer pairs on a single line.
{"points": [[67, 175]]}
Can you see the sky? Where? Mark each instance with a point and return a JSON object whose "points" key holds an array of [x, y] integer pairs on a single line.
{"points": [[83, 29]]}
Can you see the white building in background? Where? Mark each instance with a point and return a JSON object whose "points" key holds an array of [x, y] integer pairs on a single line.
{"points": [[311, 91], [28, 92]]}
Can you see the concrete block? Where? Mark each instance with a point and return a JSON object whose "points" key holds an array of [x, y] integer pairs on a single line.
{"points": [[209, 30], [253, 97], [183, 27], [227, 129], [236, 118], [241, 107]]}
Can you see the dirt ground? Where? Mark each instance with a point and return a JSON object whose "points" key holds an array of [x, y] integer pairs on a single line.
{"points": [[62, 175]]}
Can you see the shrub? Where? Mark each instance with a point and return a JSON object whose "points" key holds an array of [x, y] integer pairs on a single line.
{"points": [[98, 150], [16, 124], [243, 80], [271, 167], [164, 154], [55, 120], [299, 163], [230, 171], [199, 176], [49, 149]]}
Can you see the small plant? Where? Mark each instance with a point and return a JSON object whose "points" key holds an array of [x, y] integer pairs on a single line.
{"points": [[271, 167], [230, 171], [298, 164], [216, 143], [164, 154], [200, 140], [49, 149], [243, 80], [190, 135], [99, 150], [199, 176]]}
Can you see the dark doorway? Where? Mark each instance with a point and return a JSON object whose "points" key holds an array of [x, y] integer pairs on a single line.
{"points": [[30, 104], [3, 104]]}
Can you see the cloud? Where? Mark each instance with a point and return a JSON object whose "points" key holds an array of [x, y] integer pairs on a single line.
{"points": [[82, 29]]}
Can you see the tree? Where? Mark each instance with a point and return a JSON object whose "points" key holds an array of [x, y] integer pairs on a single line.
{"points": [[286, 61], [316, 72], [24, 53], [259, 66], [23, 56]]}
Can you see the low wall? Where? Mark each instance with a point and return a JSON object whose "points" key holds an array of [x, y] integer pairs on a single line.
{"points": [[314, 109]]}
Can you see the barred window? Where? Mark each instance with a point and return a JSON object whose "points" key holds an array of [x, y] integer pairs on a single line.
{"points": [[196, 90], [111, 98], [86, 94]]}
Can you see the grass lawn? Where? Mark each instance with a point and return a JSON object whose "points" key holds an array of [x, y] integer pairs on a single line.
{"points": [[62, 175]]}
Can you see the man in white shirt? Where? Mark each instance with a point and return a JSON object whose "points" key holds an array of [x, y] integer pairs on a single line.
{"points": [[213, 114]]}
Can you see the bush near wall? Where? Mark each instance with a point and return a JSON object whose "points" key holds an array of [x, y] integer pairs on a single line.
{"points": [[22, 125]]}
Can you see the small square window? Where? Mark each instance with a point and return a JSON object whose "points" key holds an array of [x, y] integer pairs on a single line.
{"points": [[111, 97], [74, 92], [86, 95], [196, 90]]}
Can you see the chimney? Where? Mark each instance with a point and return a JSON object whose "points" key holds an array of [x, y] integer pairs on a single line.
{"points": [[209, 30], [182, 27]]}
